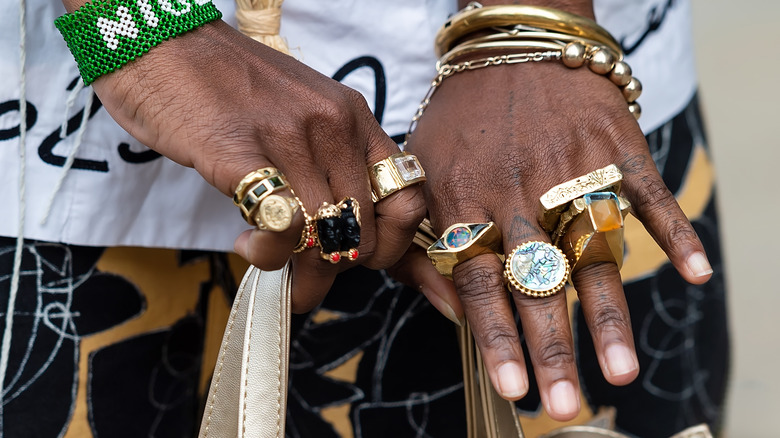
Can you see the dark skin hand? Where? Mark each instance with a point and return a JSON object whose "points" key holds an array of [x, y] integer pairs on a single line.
{"points": [[492, 142], [226, 105]]}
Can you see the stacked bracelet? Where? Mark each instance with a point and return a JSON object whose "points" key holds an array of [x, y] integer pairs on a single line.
{"points": [[540, 34], [106, 34]]}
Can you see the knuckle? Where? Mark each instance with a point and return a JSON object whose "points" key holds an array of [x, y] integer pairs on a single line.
{"points": [[498, 337], [609, 317], [681, 231], [654, 195], [333, 114], [554, 350], [477, 281]]}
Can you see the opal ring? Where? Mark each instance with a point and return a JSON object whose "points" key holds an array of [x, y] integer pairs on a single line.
{"points": [[557, 199], [461, 242], [537, 269], [394, 173]]}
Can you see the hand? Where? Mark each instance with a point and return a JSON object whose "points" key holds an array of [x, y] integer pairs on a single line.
{"points": [[226, 105], [492, 142]]}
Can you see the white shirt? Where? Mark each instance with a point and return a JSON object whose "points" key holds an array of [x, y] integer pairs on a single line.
{"points": [[118, 193]]}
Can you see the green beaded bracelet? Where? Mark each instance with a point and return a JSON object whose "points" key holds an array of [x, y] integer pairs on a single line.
{"points": [[104, 35]]}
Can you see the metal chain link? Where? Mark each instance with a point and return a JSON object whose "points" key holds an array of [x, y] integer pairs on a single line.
{"points": [[447, 70]]}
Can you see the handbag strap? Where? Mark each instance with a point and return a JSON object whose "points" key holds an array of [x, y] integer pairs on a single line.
{"points": [[488, 415], [252, 367]]}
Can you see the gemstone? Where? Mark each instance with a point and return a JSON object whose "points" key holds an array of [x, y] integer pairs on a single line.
{"points": [[259, 190], [605, 210], [248, 203], [276, 181], [353, 254], [309, 242], [408, 167], [335, 257], [458, 237], [538, 266]]}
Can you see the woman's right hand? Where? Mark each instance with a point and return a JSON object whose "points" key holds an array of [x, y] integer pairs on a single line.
{"points": [[226, 105]]}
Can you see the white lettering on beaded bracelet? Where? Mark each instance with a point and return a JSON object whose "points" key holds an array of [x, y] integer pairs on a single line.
{"points": [[166, 6], [111, 28], [148, 13]]}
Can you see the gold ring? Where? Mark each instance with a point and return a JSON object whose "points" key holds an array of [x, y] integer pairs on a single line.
{"points": [[537, 269], [595, 234], [394, 173], [255, 188], [461, 242], [309, 233], [557, 199], [275, 213]]}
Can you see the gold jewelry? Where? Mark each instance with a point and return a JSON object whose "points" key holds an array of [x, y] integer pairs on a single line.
{"points": [[557, 199], [394, 173], [596, 233], [309, 233], [537, 269], [424, 236], [275, 213], [461, 242], [475, 17], [338, 230], [578, 206], [256, 187], [250, 179]]}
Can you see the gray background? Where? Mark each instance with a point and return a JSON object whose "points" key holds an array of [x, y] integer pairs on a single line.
{"points": [[737, 47]]}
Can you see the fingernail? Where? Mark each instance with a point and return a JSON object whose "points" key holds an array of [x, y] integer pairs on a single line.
{"points": [[620, 360], [563, 400], [442, 306], [698, 265], [512, 381]]}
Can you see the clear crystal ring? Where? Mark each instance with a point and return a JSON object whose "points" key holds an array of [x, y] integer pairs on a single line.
{"points": [[394, 173]]}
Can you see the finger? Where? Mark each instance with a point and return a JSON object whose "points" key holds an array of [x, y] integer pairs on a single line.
{"points": [[547, 332], [486, 304], [397, 215], [416, 270], [655, 206], [270, 250], [607, 317]]}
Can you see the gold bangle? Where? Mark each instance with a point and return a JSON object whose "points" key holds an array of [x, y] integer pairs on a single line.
{"points": [[530, 35], [473, 19]]}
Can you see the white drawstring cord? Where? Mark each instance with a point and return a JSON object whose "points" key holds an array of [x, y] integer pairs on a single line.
{"points": [[76, 145], [9, 314]]}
